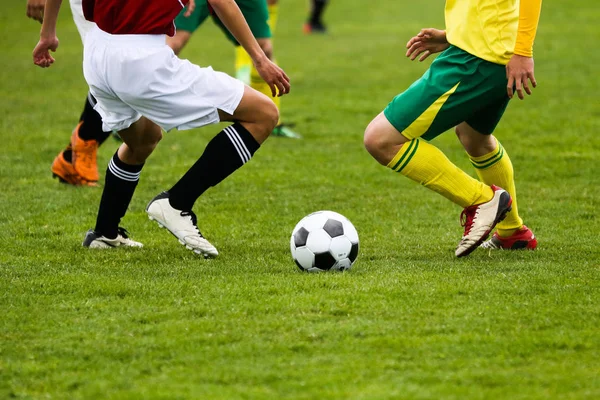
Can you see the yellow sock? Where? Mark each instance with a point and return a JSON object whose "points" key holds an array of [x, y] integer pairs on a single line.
{"points": [[273, 16], [243, 65], [427, 165], [257, 83], [496, 168]]}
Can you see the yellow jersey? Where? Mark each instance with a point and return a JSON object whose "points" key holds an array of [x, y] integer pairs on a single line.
{"points": [[493, 30]]}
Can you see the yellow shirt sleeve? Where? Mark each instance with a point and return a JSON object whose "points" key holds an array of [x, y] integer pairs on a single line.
{"points": [[529, 16]]}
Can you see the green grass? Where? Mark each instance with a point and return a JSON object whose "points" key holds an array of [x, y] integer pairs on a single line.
{"points": [[409, 321]]}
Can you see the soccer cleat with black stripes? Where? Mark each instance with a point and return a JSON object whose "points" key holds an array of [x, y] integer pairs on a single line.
{"points": [[480, 219], [94, 240], [182, 224]]}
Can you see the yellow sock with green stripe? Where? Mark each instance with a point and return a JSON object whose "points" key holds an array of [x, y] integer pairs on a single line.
{"points": [[243, 65], [496, 168], [257, 83], [273, 16], [426, 164]]}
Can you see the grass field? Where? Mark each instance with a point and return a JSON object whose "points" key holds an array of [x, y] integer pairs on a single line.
{"points": [[409, 321]]}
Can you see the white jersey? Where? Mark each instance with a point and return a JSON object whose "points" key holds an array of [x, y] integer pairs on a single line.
{"points": [[83, 25]]}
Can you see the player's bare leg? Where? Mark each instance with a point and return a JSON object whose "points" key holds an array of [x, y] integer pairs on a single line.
{"points": [[315, 24], [254, 120], [493, 166], [427, 165], [256, 82]]}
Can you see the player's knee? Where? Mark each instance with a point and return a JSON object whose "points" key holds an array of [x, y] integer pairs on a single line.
{"points": [[474, 142], [151, 139], [459, 132], [264, 120], [373, 141], [271, 116], [155, 137]]}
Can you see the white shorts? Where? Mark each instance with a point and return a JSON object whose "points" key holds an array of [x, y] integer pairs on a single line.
{"points": [[83, 25], [139, 75]]}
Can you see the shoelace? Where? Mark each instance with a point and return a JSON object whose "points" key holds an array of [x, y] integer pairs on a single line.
{"points": [[123, 232], [466, 218], [194, 220]]}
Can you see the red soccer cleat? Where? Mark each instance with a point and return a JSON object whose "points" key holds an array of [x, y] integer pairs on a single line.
{"points": [[522, 239]]}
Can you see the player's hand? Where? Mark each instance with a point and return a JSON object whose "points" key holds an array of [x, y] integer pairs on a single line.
{"points": [[427, 42], [35, 9], [519, 70], [191, 6], [274, 76], [41, 53]]}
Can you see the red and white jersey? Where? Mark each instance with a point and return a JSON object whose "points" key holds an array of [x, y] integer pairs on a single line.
{"points": [[130, 17]]}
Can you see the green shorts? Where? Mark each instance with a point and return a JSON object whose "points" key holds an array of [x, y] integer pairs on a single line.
{"points": [[458, 87], [255, 12]]}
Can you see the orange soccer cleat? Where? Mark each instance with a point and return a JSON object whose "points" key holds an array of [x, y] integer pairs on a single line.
{"points": [[64, 171], [84, 157]]}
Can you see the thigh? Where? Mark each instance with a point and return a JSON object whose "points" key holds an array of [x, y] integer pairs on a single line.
{"points": [[256, 14]]}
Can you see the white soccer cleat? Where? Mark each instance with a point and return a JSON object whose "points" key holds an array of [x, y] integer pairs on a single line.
{"points": [[182, 224], [94, 240], [480, 219]]}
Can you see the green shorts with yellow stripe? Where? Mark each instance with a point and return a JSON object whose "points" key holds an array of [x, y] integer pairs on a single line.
{"points": [[458, 87], [255, 12]]}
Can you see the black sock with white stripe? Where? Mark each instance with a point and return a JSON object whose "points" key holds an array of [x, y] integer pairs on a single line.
{"points": [[226, 152], [119, 185], [91, 127]]}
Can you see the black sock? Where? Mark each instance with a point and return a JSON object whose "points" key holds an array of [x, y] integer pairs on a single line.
{"points": [[119, 185], [316, 11], [226, 152], [68, 154], [91, 127]]}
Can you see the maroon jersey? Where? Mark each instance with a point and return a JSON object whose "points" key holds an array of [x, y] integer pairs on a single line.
{"points": [[127, 17]]}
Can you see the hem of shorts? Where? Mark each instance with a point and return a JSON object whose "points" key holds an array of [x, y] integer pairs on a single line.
{"points": [[401, 131], [120, 126], [214, 119], [234, 104]]}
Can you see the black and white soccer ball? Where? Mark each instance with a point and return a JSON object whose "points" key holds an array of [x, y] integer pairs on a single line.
{"points": [[324, 241]]}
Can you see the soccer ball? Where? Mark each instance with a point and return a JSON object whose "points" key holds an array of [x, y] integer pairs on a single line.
{"points": [[324, 241]]}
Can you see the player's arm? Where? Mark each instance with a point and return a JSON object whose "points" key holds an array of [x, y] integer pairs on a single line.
{"points": [[35, 9], [189, 9], [229, 13], [48, 40], [519, 69]]}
